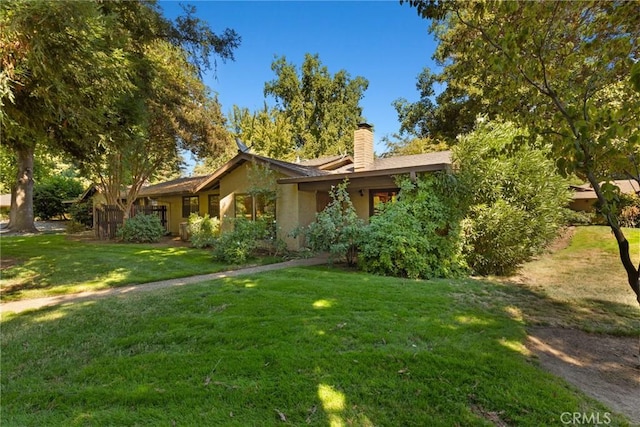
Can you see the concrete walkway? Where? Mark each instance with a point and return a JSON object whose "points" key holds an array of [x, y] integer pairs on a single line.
{"points": [[30, 304]]}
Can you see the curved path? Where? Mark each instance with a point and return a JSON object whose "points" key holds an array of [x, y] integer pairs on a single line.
{"points": [[31, 304]]}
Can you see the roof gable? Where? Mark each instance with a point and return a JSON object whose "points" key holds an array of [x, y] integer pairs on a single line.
{"points": [[286, 168]]}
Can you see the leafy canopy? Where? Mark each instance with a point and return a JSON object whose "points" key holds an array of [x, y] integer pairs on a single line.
{"points": [[563, 70], [322, 109]]}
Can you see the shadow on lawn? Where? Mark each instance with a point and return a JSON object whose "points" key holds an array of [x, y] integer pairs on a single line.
{"points": [[588, 314], [311, 346]]}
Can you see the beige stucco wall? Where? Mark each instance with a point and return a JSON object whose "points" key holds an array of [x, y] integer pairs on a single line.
{"points": [[287, 214], [586, 205], [174, 212], [298, 208], [174, 208], [360, 203], [294, 208], [235, 182]]}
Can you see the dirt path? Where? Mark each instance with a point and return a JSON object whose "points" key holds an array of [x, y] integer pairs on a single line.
{"points": [[604, 367], [31, 304]]}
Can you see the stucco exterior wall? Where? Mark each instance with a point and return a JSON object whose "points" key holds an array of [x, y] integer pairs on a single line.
{"points": [[361, 203], [585, 205], [174, 208], [174, 212], [287, 214], [235, 182]]}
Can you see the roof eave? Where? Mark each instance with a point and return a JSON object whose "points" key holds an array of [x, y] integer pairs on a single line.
{"points": [[368, 173]]}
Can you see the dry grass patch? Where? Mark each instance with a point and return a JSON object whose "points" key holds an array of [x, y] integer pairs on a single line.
{"points": [[581, 284]]}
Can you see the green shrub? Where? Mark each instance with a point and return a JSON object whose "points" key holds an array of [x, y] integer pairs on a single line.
{"points": [[419, 235], [82, 213], [337, 229], [237, 246], [74, 227], [493, 235], [141, 229], [516, 197], [572, 217], [49, 195], [203, 231]]}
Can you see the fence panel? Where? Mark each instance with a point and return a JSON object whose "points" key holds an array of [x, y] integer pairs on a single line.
{"points": [[109, 218]]}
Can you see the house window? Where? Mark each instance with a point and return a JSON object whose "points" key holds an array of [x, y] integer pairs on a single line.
{"points": [[376, 197], [244, 206], [258, 207], [190, 204], [265, 208], [214, 205]]}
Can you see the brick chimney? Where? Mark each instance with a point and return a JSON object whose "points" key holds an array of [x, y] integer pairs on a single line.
{"points": [[363, 147]]}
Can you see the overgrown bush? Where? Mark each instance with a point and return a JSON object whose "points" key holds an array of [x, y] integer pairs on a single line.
{"points": [[516, 197], [572, 217], [629, 215], [419, 235], [74, 227], [49, 195], [203, 231], [82, 213], [141, 229], [493, 234], [337, 229], [237, 246]]}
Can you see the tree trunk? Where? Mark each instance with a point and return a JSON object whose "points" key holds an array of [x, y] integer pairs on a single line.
{"points": [[21, 215], [633, 273]]}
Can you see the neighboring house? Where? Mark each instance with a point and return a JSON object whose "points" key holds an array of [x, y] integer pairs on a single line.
{"points": [[302, 187], [585, 199]]}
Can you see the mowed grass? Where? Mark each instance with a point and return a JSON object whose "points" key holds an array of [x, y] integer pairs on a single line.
{"points": [[583, 285], [54, 264], [305, 346]]}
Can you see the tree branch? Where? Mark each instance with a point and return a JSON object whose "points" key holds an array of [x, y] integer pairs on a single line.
{"points": [[623, 243]]}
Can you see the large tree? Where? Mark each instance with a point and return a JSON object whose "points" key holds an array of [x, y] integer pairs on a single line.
{"points": [[83, 78], [322, 109], [442, 116], [268, 131], [169, 110], [58, 66], [563, 70]]}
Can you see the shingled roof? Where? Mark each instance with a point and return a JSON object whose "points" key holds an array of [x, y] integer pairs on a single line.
{"points": [[586, 192], [176, 186], [428, 162], [322, 169]]}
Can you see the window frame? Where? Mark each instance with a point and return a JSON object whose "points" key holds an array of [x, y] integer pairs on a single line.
{"points": [[216, 211], [392, 193], [188, 206], [262, 207]]}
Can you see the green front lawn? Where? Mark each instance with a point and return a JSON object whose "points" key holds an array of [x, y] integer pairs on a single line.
{"points": [[306, 346], [53, 264]]}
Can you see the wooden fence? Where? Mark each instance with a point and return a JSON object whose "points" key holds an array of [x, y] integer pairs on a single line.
{"points": [[109, 218]]}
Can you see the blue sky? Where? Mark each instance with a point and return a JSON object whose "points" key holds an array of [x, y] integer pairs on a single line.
{"points": [[383, 41]]}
